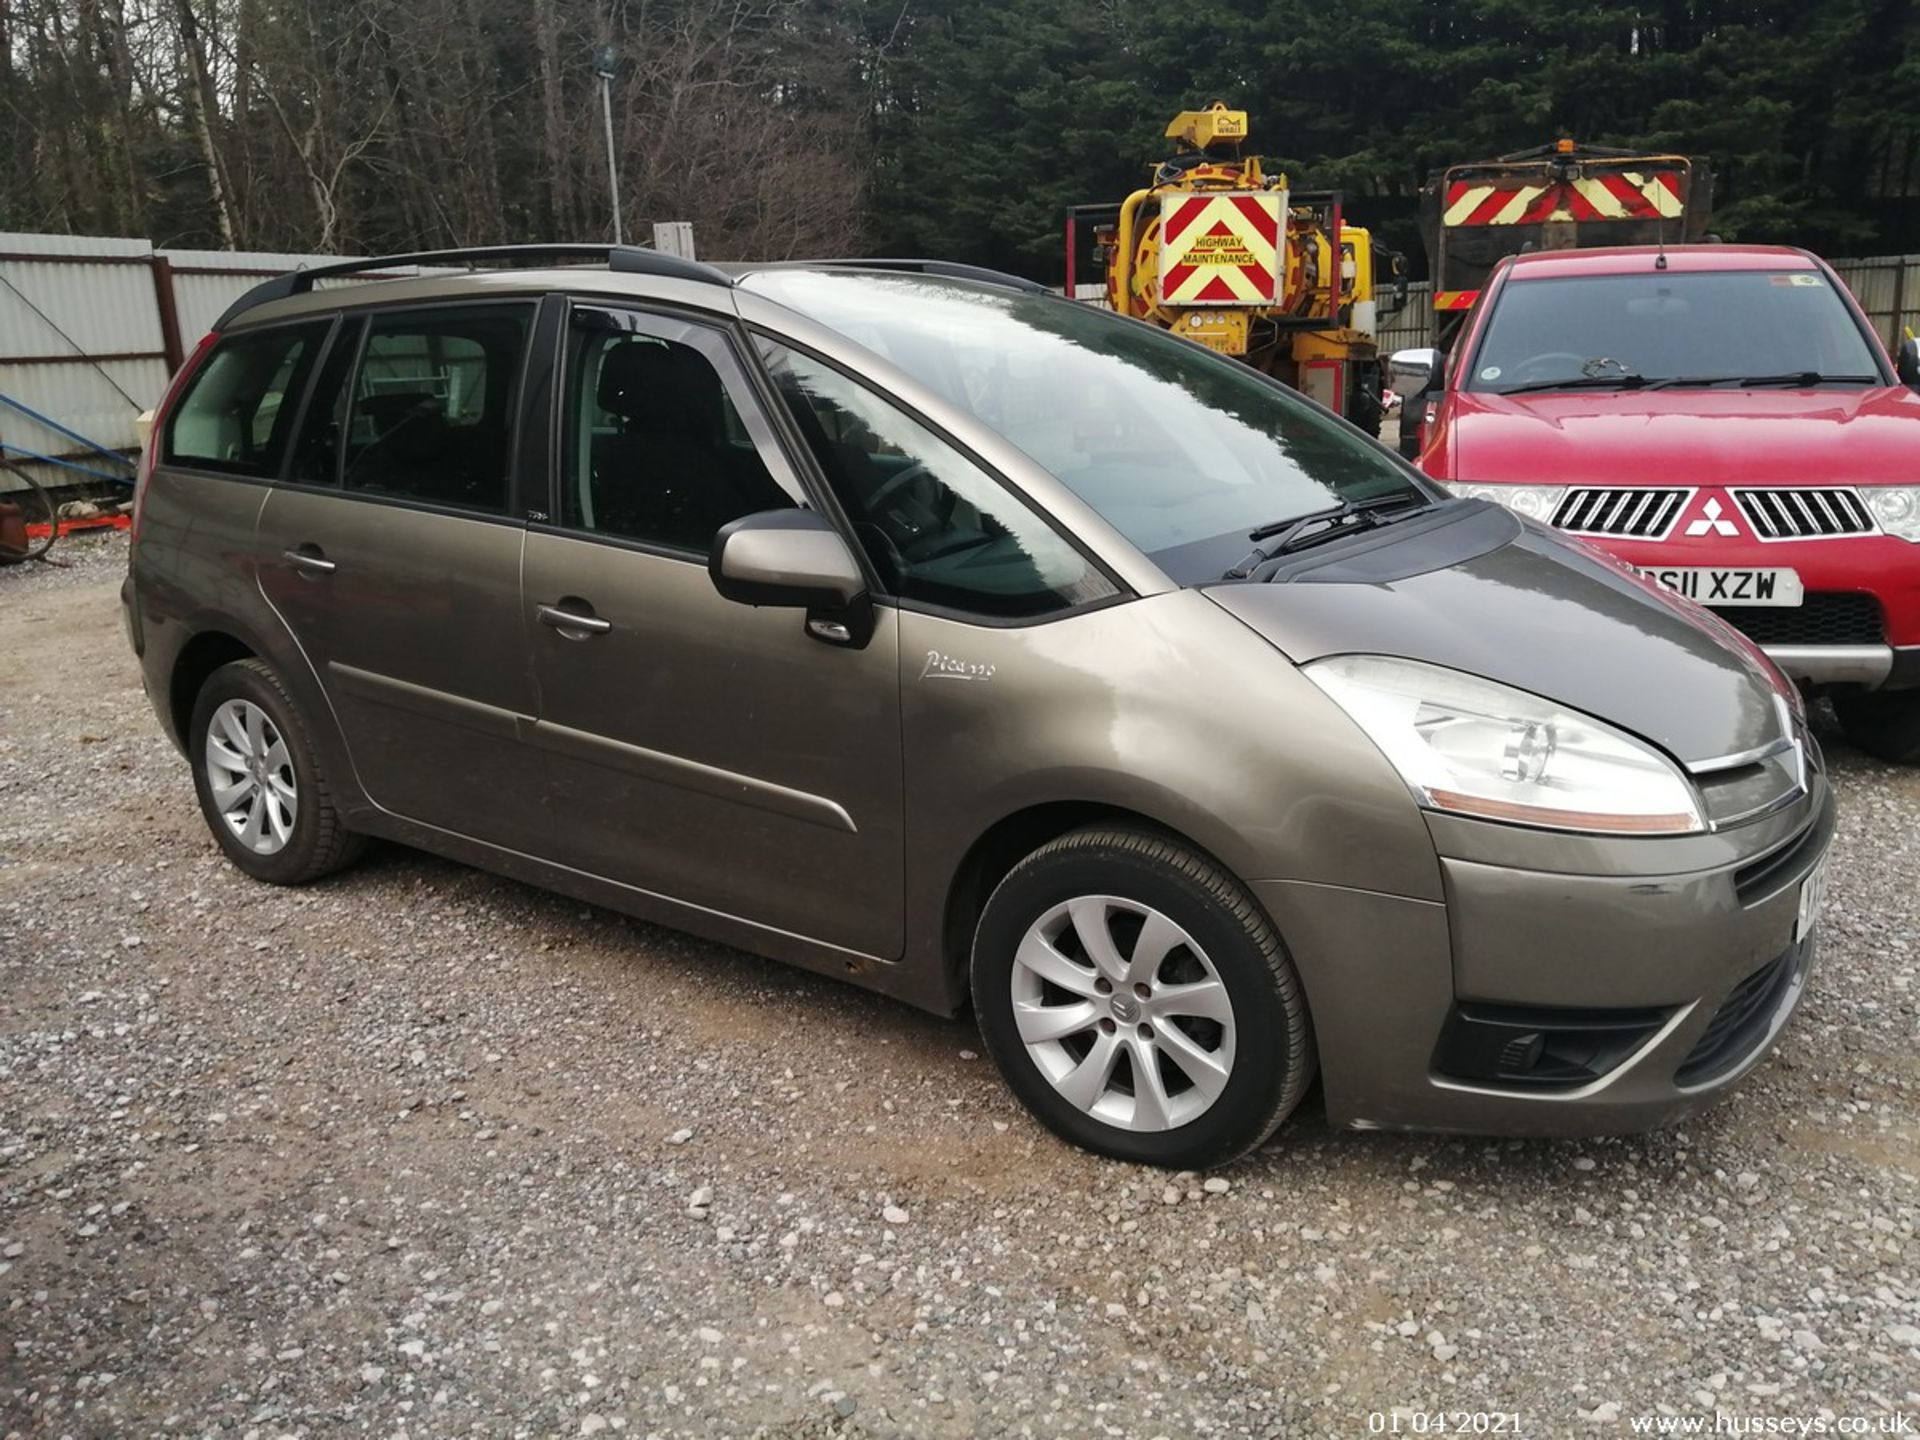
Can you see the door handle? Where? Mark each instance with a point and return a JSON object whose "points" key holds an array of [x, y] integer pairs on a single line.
{"points": [[581, 625], [309, 560]]}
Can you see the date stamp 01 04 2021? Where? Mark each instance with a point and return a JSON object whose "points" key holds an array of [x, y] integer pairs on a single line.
{"points": [[1404, 1421]]}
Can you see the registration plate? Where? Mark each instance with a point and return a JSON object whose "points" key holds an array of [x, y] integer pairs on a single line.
{"points": [[1714, 585], [1813, 895]]}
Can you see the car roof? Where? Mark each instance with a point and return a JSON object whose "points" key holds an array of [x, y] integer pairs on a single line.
{"points": [[1634, 259], [630, 273], [430, 287]]}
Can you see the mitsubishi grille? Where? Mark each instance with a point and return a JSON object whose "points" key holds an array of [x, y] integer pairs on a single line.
{"points": [[1804, 513], [1637, 513]]}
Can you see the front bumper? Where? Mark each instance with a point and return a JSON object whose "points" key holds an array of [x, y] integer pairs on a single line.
{"points": [[1704, 960], [1877, 667], [1881, 566]]}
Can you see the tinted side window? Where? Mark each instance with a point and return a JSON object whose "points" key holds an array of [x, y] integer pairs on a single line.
{"points": [[237, 412], [936, 526], [431, 410], [657, 449], [316, 449]]}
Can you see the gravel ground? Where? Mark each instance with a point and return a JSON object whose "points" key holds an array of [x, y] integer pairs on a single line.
{"points": [[423, 1152]]}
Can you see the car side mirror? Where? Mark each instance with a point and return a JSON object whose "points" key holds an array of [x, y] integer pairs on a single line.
{"points": [[1906, 362], [1413, 372], [794, 559]]}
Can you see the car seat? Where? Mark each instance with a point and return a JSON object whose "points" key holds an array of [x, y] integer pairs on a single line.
{"points": [[670, 474]]}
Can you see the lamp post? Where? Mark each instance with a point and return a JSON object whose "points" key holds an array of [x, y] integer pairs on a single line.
{"points": [[606, 63]]}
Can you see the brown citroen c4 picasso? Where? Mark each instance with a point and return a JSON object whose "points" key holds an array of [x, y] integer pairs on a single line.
{"points": [[911, 624]]}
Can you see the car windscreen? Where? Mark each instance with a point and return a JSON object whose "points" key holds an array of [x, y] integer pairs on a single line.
{"points": [[1181, 450], [1710, 327]]}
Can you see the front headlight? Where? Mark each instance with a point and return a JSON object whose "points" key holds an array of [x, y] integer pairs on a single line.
{"points": [[1895, 508], [1474, 747], [1536, 502]]}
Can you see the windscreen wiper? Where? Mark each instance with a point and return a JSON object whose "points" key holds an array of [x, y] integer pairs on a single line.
{"points": [[1806, 377], [1629, 380], [1298, 533], [1791, 378]]}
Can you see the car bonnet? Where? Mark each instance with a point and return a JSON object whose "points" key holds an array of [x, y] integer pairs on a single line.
{"points": [[1492, 596]]}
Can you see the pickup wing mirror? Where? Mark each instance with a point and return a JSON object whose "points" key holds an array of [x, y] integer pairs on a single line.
{"points": [[1413, 372], [794, 558], [1906, 362]]}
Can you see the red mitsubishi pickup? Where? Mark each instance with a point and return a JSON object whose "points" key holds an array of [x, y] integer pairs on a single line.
{"points": [[1724, 419]]}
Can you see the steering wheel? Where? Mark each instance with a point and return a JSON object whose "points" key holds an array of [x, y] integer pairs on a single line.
{"points": [[911, 536], [882, 498]]}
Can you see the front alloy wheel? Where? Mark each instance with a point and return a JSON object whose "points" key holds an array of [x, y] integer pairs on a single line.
{"points": [[1123, 1013], [1138, 1001]]}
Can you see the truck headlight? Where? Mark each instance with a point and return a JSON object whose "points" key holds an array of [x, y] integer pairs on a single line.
{"points": [[1536, 502], [1474, 747], [1895, 508]]}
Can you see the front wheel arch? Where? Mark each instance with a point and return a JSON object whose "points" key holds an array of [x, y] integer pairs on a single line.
{"points": [[1007, 842]]}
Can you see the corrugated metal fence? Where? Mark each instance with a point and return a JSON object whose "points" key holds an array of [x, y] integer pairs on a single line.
{"points": [[80, 342], [90, 329], [1888, 288]]}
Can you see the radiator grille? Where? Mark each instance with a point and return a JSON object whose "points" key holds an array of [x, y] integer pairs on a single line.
{"points": [[1827, 618], [1637, 513], [1804, 513]]}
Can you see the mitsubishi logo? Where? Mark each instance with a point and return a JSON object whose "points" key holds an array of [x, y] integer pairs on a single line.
{"points": [[1711, 522]]}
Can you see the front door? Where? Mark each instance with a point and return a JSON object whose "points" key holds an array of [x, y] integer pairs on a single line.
{"points": [[698, 749], [393, 556]]}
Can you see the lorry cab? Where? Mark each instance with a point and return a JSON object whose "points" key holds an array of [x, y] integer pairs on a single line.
{"points": [[1722, 418]]}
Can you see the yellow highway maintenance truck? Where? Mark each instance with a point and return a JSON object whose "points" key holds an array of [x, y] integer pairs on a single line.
{"points": [[1216, 249]]}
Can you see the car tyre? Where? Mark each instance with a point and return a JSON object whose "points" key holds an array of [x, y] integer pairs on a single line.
{"points": [[1103, 967], [1884, 723], [261, 788]]}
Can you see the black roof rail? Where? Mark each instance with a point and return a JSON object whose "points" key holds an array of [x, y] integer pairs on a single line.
{"points": [[951, 269], [625, 259]]}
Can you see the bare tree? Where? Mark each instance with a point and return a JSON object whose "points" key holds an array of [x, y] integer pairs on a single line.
{"points": [[203, 108], [370, 124]]}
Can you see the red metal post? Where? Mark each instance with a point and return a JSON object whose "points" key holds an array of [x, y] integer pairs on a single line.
{"points": [[1071, 247], [169, 313]]}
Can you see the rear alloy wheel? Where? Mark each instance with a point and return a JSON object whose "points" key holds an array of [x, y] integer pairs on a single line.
{"points": [[1137, 1000], [250, 776], [259, 781], [1884, 723]]}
